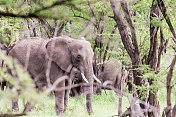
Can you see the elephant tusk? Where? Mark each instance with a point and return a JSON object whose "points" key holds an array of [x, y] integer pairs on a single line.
{"points": [[83, 76], [96, 79]]}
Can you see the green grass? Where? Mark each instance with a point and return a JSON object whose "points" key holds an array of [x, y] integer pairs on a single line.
{"points": [[103, 105]]}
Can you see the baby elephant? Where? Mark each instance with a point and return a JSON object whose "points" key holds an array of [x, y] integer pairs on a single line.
{"points": [[111, 74]]}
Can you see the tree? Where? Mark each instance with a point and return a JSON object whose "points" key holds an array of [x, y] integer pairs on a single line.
{"points": [[152, 59], [130, 45]]}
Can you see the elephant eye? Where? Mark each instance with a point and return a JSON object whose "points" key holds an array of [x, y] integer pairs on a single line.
{"points": [[78, 57], [76, 74]]}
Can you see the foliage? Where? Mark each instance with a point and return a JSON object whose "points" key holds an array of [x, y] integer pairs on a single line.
{"points": [[77, 15], [10, 29], [159, 80], [155, 21], [20, 82]]}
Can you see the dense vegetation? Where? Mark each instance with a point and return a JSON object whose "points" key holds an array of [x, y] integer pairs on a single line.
{"points": [[138, 33]]}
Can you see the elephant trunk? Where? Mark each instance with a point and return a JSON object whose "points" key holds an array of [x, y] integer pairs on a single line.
{"points": [[89, 89], [87, 70]]}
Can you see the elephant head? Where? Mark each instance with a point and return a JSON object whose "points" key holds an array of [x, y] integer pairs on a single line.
{"points": [[67, 53]]}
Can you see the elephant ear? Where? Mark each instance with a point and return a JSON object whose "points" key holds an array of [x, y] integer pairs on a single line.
{"points": [[58, 51]]}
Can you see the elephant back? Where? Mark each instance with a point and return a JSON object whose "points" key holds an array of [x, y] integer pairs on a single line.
{"points": [[112, 66], [29, 51], [112, 71]]}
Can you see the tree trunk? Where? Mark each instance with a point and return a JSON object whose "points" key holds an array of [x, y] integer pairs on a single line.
{"points": [[174, 111], [153, 57], [163, 10], [99, 24], [123, 78], [108, 44], [130, 79], [130, 45], [169, 87], [59, 27], [163, 45], [48, 29]]}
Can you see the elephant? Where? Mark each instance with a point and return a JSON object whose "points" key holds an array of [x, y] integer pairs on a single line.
{"points": [[75, 92], [111, 74], [47, 60]]}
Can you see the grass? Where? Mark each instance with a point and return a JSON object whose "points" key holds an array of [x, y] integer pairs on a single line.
{"points": [[103, 105]]}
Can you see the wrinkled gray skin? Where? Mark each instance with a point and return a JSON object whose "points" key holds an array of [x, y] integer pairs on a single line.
{"points": [[67, 53], [111, 74]]}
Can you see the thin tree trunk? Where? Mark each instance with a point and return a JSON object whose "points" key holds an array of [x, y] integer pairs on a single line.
{"points": [[59, 27], [120, 105], [123, 78], [169, 87], [33, 26], [163, 45], [98, 40], [48, 29], [130, 79], [164, 12], [153, 57], [174, 111], [108, 43]]}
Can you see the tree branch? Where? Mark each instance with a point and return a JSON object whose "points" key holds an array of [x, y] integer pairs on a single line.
{"points": [[35, 13], [132, 29], [163, 10], [122, 29]]}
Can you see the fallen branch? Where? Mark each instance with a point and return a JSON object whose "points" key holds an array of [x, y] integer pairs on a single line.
{"points": [[13, 115]]}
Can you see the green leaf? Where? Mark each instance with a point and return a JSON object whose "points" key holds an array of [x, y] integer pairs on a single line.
{"points": [[155, 2], [5, 2], [155, 21]]}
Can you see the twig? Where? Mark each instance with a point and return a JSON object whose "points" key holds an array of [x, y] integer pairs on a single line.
{"points": [[49, 63], [89, 27], [53, 87], [27, 56], [13, 115], [78, 15]]}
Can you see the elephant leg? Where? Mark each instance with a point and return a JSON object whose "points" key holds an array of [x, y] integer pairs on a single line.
{"points": [[15, 105], [59, 98], [55, 74], [28, 107], [3, 84], [89, 103], [67, 93], [75, 93], [98, 90]]}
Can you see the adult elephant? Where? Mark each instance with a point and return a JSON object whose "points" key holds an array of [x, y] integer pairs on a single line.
{"points": [[111, 74], [49, 59]]}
